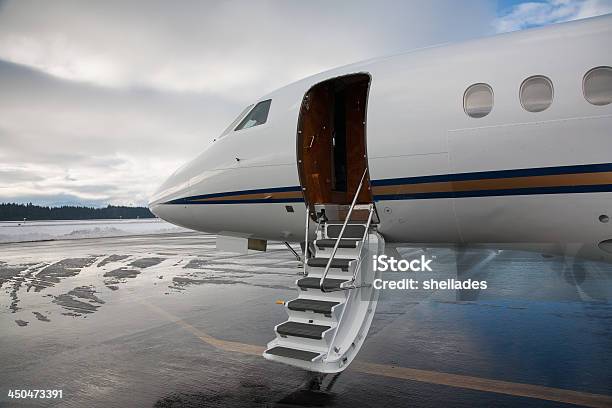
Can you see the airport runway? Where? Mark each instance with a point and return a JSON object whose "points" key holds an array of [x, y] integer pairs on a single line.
{"points": [[166, 321]]}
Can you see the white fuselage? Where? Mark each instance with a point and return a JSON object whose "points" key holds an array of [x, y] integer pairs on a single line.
{"points": [[513, 178]]}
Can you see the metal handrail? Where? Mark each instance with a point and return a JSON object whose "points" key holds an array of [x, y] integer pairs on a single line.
{"points": [[359, 257], [365, 234], [306, 257], [353, 286], [306, 239], [348, 217]]}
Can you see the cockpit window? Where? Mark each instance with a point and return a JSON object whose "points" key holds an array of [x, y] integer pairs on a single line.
{"points": [[257, 116], [235, 122]]}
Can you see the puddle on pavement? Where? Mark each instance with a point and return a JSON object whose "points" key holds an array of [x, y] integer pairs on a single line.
{"points": [[119, 275], [9, 272], [80, 300], [182, 281], [112, 258], [41, 317], [146, 262], [55, 272], [114, 270]]}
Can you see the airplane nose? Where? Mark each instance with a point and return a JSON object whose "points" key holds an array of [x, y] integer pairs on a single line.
{"points": [[174, 187], [153, 207], [198, 173]]}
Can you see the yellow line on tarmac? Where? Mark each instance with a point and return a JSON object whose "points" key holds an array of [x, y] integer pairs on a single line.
{"points": [[412, 374], [225, 345]]}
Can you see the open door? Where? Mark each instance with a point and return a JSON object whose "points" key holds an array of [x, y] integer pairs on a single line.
{"points": [[329, 320], [331, 141]]}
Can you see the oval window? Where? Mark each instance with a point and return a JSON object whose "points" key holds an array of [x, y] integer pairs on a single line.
{"points": [[597, 86], [478, 100], [536, 93]]}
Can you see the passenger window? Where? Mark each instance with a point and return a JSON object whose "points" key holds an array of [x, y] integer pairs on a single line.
{"points": [[478, 100], [597, 86], [536, 93], [257, 116]]}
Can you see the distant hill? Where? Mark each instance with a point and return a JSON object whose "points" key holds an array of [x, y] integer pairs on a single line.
{"points": [[17, 212]]}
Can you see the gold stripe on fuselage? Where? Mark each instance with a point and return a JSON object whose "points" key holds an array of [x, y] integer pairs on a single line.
{"points": [[558, 180], [255, 196]]}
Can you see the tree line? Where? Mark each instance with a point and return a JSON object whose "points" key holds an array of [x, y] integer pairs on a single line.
{"points": [[17, 212]]}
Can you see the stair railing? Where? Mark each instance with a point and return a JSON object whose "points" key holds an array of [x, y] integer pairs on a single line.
{"points": [[363, 244], [346, 220], [306, 251], [306, 239], [365, 236]]}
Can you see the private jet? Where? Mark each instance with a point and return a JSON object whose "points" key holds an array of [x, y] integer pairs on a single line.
{"points": [[502, 142]]}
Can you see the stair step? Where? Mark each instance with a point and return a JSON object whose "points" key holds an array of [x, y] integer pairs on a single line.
{"points": [[351, 231], [337, 213], [344, 243], [307, 330], [336, 263], [293, 353], [317, 306], [313, 283]]}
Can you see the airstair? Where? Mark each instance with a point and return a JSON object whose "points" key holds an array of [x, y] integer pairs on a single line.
{"points": [[330, 318]]}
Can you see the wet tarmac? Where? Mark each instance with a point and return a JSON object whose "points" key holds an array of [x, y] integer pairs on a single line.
{"points": [[166, 321]]}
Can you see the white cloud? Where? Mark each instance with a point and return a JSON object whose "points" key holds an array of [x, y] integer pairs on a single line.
{"points": [[101, 101], [60, 138], [531, 14], [220, 46]]}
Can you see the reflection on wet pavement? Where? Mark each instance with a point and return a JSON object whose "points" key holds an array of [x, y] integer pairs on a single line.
{"points": [[85, 316], [116, 270]]}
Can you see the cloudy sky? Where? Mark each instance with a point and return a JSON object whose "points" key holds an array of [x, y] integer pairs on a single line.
{"points": [[100, 101]]}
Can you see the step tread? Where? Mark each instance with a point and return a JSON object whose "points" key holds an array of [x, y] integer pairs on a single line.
{"points": [[340, 221], [329, 243], [314, 283], [307, 330], [293, 353], [351, 231], [317, 306], [336, 263]]}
